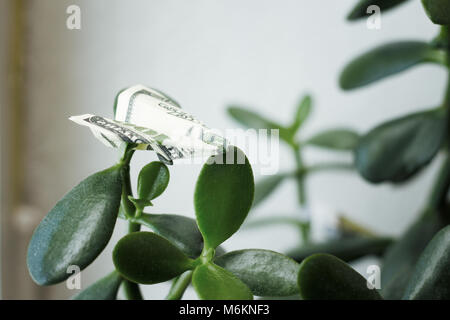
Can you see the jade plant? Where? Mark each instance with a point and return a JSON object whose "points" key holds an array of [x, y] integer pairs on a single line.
{"points": [[396, 151], [355, 241], [178, 248]]}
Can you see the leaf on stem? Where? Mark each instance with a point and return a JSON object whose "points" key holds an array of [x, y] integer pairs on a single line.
{"points": [[325, 277], [265, 272], [303, 112], [152, 180], [346, 249], [401, 257], [103, 289], [384, 61], [145, 257], [181, 231], [212, 282], [438, 11], [337, 139], [253, 120], [77, 229], [223, 196], [360, 10], [396, 150], [431, 277]]}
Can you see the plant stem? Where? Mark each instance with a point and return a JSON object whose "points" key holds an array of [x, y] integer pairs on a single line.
{"points": [[441, 187], [179, 286], [131, 289], [127, 206], [300, 178], [329, 166]]}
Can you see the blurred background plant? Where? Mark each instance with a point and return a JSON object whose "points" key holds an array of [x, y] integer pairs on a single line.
{"points": [[397, 150], [392, 152], [355, 240], [195, 53]]}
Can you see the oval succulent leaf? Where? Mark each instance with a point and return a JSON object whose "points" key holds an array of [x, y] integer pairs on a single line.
{"points": [[402, 256], [145, 257], [265, 272], [384, 61], [77, 229], [346, 249], [360, 10], [212, 282], [253, 120], [303, 112], [223, 196], [152, 180], [337, 139], [325, 277], [181, 231], [397, 149], [103, 289], [266, 186], [438, 11], [431, 277]]}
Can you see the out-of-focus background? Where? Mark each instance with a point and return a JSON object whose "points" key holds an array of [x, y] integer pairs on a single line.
{"points": [[206, 54]]}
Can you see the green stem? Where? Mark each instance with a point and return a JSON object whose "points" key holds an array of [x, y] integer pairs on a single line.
{"points": [[131, 289], [127, 206], [300, 178], [179, 286], [329, 166], [437, 199]]}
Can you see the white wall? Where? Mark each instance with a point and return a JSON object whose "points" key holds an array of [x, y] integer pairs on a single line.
{"points": [[207, 54]]}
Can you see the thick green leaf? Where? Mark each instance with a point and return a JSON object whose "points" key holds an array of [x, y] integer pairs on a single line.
{"points": [[397, 149], [384, 61], [104, 289], [145, 257], [431, 277], [181, 231], [325, 277], [347, 249], [303, 112], [212, 282], [265, 186], [77, 229], [360, 10], [253, 120], [438, 11], [401, 257], [223, 196], [265, 272], [338, 139], [152, 180]]}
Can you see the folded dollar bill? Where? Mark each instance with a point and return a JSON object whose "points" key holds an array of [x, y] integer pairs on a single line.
{"points": [[153, 121]]}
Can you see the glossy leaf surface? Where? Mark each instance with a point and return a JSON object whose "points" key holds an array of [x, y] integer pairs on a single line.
{"points": [[223, 196], [153, 180], [431, 277], [181, 231], [104, 289], [212, 282], [265, 272], [438, 11], [397, 149], [77, 229], [325, 277], [145, 257], [384, 61]]}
